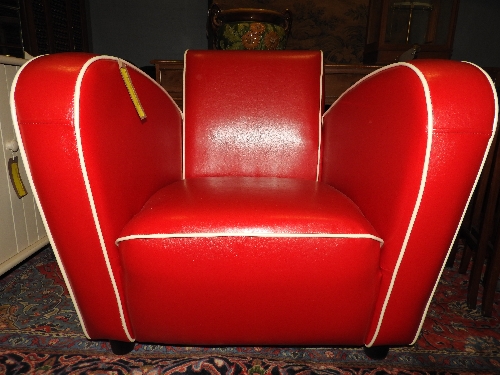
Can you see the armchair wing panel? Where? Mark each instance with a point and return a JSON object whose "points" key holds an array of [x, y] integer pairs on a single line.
{"points": [[93, 163], [247, 220], [421, 130]]}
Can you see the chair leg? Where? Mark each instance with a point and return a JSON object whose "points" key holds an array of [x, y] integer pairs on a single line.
{"points": [[377, 352], [490, 281], [464, 262], [453, 253], [487, 235], [475, 276], [121, 347]]}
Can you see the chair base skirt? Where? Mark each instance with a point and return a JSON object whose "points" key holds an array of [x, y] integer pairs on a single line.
{"points": [[251, 291]]}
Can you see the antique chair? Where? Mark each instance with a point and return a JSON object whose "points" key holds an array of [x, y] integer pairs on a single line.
{"points": [[250, 218]]}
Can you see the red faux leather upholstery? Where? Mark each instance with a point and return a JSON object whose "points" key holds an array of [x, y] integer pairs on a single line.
{"points": [[408, 181], [247, 219], [94, 166], [252, 256], [259, 118]]}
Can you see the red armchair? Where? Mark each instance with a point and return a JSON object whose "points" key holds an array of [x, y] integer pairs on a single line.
{"points": [[250, 218]]}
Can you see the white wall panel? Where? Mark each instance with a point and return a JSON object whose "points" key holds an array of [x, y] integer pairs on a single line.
{"points": [[21, 230], [8, 241]]}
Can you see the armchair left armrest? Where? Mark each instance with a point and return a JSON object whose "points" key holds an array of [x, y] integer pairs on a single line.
{"points": [[93, 161]]}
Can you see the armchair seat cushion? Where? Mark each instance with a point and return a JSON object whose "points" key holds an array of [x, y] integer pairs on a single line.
{"points": [[248, 206], [312, 241]]}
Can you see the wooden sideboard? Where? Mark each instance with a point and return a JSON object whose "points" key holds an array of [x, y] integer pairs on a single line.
{"points": [[338, 78]]}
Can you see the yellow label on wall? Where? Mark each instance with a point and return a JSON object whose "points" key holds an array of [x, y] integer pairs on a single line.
{"points": [[15, 178]]}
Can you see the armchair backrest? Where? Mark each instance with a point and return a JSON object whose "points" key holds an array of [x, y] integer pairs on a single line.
{"points": [[252, 113]]}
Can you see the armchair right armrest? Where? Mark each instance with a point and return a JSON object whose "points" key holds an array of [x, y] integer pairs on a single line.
{"points": [[407, 144]]}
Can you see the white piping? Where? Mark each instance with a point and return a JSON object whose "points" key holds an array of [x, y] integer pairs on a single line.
{"points": [[320, 120], [184, 118], [37, 199], [364, 78], [490, 142], [244, 234], [89, 189], [420, 192]]}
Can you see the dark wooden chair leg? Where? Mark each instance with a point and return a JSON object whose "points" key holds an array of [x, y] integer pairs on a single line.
{"points": [[376, 352], [465, 261], [491, 276], [486, 236], [121, 347], [475, 219], [453, 254]]}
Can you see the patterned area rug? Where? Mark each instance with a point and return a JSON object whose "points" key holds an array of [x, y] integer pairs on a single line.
{"points": [[40, 333]]}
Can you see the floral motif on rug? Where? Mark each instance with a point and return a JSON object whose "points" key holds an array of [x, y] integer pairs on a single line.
{"points": [[451, 326], [35, 300], [22, 363]]}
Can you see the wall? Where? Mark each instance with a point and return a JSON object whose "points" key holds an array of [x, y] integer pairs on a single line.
{"points": [[477, 36], [140, 31]]}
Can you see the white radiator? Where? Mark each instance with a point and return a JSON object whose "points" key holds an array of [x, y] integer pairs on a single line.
{"points": [[21, 228]]}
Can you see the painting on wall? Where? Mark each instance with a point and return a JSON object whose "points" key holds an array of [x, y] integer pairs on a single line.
{"points": [[338, 28]]}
